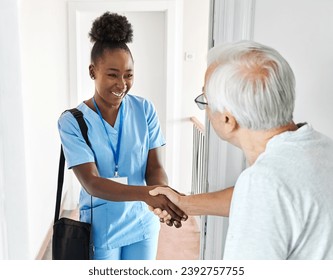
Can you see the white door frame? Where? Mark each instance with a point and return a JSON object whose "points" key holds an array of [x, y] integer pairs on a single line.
{"points": [[173, 15], [3, 227], [233, 20]]}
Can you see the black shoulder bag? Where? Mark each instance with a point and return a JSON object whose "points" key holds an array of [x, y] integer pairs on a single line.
{"points": [[71, 239]]}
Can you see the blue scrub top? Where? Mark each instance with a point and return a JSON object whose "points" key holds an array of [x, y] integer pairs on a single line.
{"points": [[115, 224]]}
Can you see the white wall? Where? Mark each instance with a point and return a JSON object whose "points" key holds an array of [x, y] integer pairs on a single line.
{"points": [[302, 31], [195, 42], [14, 225], [43, 26]]}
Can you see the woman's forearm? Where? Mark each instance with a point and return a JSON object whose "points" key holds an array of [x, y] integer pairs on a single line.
{"points": [[110, 190], [157, 176], [114, 191]]}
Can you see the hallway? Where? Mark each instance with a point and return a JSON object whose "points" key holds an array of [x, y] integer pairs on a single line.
{"points": [[174, 244]]}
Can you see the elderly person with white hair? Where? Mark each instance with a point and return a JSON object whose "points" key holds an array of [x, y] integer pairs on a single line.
{"points": [[281, 206]]}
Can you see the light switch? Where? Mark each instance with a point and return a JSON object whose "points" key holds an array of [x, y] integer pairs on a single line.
{"points": [[189, 56]]}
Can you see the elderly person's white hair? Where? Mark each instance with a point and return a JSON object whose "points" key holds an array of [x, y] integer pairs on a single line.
{"points": [[253, 82]]}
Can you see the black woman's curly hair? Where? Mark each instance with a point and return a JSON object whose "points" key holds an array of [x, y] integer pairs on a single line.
{"points": [[111, 27], [110, 31]]}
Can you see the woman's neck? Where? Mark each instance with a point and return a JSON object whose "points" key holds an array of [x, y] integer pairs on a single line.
{"points": [[108, 111]]}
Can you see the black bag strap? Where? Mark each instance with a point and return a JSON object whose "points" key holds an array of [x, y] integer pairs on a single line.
{"points": [[84, 130], [83, 126]]}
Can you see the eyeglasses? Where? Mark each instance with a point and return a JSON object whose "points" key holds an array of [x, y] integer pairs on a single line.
{"points": [[201, 101]]}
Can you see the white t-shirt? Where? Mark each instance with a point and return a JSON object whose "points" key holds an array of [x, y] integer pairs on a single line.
{"points": [[282, 206]]}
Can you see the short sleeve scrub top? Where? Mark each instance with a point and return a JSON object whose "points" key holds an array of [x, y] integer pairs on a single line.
{"points": [[115, 224]]}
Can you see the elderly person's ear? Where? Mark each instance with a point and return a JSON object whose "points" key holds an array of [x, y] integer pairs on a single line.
{"points": [[230, 121]]}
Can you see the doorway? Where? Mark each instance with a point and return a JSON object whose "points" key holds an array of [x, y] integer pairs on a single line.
{"points": [[156, 49]]}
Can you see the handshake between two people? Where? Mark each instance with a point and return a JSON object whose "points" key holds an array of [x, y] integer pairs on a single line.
{"points": [[165, 203], [178, 206], [165, 217]]}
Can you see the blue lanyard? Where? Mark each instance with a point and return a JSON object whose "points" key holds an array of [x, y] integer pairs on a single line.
{"points": [[115, 152]]}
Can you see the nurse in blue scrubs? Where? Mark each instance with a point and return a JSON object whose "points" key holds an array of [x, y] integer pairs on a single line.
{"points": [[126, 142]]}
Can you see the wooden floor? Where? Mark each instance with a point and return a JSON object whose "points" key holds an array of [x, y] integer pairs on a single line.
{"points": [[179, 243], [174, 243]]}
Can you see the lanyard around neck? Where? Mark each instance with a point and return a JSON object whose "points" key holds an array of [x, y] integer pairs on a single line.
{"points": [[117, 151]]}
